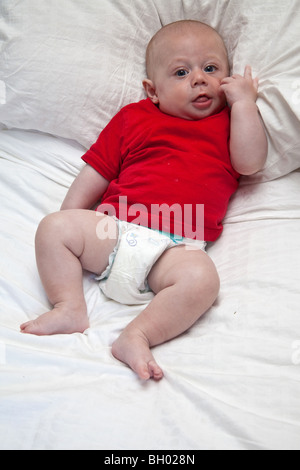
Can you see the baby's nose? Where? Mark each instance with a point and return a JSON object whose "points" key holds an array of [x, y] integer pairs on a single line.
{"points": [[199, 78]]}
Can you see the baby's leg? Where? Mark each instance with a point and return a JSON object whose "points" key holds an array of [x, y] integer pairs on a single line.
{"points": [[186, 283], [66, 243]]}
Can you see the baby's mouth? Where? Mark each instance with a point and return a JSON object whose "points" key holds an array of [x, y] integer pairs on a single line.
{"points": [[202, 99], [203, 102]]}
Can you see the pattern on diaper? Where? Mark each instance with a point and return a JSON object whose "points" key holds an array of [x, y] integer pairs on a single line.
{"points": [[131, 239], [154, 242]]}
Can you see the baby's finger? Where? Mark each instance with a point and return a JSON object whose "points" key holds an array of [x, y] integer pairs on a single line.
{"points": [[236, 75], [255, 83], [226, 80], [248, 72]]}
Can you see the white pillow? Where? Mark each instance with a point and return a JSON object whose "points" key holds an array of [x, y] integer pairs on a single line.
{"points": [[67, 66]]}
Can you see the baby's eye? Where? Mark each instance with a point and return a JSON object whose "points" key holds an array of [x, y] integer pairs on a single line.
{"points": [[210, 69], [181, 73]]}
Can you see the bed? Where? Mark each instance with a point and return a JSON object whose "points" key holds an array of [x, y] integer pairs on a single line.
{"points": [[231, 382]]}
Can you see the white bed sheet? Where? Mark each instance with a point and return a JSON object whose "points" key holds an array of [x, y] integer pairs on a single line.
{"points": [[231, 382]]}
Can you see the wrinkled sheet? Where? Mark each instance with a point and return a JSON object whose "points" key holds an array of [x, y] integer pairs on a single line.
{"points": [[231, 382]]}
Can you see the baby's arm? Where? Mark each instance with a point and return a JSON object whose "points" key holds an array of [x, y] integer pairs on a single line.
{"points": [[85, 190], [248, 141]]}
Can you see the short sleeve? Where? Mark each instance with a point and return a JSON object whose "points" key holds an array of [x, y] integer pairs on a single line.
{"points": [[105, 154]]}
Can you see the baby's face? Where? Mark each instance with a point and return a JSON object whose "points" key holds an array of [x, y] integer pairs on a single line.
{"points": [[186, 73]]}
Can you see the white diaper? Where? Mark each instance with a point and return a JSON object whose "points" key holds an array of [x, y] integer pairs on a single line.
{"points": [[137, 250]]}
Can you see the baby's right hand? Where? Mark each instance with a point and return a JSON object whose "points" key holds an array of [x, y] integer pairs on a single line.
{"points": [[238, 88]]}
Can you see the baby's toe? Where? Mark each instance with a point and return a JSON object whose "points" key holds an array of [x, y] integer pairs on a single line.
{"points": [[155, 371]]}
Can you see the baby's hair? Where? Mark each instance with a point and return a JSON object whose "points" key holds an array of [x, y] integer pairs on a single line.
{"points": [[180, 26]]}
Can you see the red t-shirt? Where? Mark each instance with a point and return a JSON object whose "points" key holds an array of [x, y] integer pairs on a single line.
{"points": [[162, 168]]}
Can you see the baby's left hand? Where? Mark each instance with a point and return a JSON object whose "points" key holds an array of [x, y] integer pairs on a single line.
{"points": [[238, 88]]}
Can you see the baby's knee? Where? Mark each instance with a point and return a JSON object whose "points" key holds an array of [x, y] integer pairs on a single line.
{"points": [[203, 281], [212, 282], [49, 226]]}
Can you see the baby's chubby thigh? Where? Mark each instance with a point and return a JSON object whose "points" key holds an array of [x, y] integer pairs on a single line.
{"points": [[191, 271], [100, 234], [89, 235]]}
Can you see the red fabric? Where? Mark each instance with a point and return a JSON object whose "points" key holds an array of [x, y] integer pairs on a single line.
{"points": [[153, 158]]}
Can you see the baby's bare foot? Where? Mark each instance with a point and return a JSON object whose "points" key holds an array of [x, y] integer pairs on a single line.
{"points": [[132, 348], [60, 320]]}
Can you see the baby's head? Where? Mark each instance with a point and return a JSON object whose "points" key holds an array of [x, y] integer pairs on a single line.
{"points": [[186, 62]]}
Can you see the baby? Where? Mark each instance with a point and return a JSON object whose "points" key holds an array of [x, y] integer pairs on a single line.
{"points": [[155, 167]]}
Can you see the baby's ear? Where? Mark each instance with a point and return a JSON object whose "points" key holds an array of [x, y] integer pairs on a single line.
{"points": [[150, 90]]}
